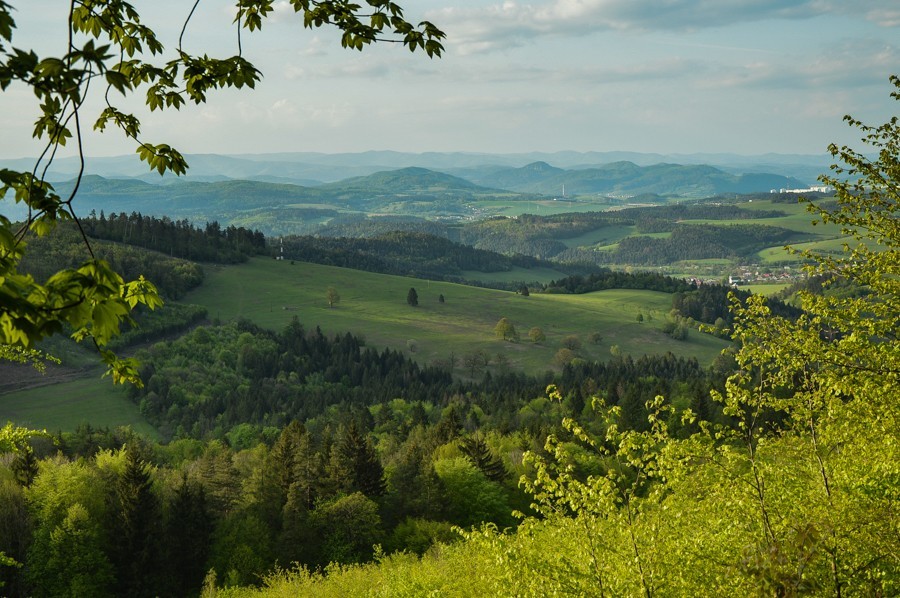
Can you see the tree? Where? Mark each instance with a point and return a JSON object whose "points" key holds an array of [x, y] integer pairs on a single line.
{"points": [[76, 558], [564, 356], [471, 497], [537, 335], [523, 290], [357, 457], [137, 530], [110, 50], [441, 298], [188, 525], [332, 295], [506, 330], [348, 528], [572, 342], [412, 297], [475, 361], [479, 454]]}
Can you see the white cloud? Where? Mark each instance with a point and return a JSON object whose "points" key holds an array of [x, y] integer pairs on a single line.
{"points": [[511, 24]]}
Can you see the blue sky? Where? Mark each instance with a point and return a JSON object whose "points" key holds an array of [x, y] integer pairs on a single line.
{"points": [[668, 76]]}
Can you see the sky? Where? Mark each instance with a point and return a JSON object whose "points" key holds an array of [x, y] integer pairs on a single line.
{"points": [[664, 76]]}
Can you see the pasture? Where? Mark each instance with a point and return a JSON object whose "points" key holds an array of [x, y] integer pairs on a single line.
{"points": [[65, 405], [271, 293]]}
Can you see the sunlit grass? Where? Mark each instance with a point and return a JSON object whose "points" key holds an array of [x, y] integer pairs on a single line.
{"points": [[271, 293]]}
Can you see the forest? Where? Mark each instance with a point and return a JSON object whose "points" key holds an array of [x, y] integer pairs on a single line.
{"points": [[294, 448], [294, 463]]}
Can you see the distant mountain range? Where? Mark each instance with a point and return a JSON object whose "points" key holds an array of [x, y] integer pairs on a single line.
{"points": [[256, 190], [310, 169], [629, 179]]}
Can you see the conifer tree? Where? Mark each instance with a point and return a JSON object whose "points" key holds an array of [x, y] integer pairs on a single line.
{"points": [[479, 454], [137, 529], [188, 529], [358, 458]]}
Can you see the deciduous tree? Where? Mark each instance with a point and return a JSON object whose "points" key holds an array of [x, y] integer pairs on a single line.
{"points": [[506, 330], [332, 296]]}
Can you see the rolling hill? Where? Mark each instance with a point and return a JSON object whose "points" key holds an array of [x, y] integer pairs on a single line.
{"points": [[627, 178]]}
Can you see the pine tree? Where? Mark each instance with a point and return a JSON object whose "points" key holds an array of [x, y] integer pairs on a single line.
{"points": [[412, 297], [25, 466], [355, 455], [479, 454], [188, 529], [135, 550]]}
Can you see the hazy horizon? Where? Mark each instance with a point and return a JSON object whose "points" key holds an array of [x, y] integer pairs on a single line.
{"points": [[689, 77]]}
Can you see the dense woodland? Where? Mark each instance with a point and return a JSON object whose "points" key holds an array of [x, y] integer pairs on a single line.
{"points": [[388, 454], [416, 254], [178, 238]]}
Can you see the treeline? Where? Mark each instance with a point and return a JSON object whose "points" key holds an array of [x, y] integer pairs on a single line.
{"points": [[215, 378], [664, 218], [609, 279], [388, 453], [698, 241], [173, 277], [710, 304], [178, 238], [149, 325], [362, 227], [405, 253], [707, 303]]}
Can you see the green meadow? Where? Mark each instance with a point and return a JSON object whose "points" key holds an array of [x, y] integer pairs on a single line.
{"points": [[271, 293], [795, 218], [539, 207], [517, 274], [605, 235], [65, 405]]}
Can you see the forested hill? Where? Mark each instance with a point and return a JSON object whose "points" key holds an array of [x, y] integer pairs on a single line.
{"points": [[409, 254], [390, 191], [629, 178], [178, 238], [404, 180]]}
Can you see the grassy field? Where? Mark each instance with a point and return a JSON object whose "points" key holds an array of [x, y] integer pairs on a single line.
{"points": [[517, 274], [63, 406], [270, 293], [766, 289], [605, 235], [795, 218], [539, 207]]}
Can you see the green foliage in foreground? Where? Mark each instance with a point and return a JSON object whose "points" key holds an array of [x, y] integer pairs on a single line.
{"points": [[796, 496]]}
